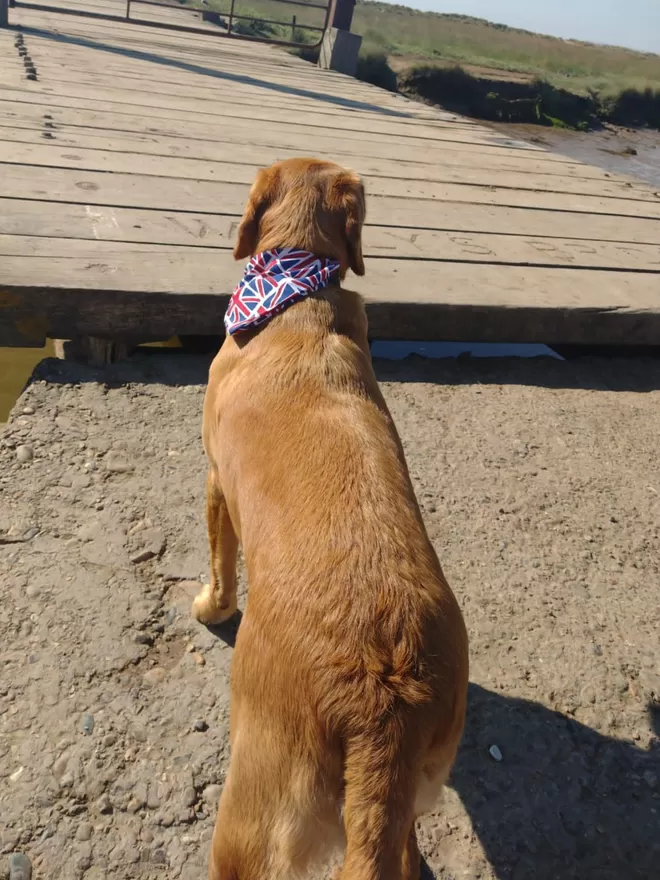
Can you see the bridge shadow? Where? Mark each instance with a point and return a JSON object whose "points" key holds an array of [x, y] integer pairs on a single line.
{"points": [[177, 367], [599, 370], [244, 79]]}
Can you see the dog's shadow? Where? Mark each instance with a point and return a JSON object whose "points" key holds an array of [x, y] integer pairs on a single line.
{"points": [[227, 632], [565, 801]]}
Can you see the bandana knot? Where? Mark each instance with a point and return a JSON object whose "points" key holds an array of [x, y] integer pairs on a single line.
{"points": [[274, 280]]}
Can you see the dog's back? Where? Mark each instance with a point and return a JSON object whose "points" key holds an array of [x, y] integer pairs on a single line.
{"points": [[350, 669]]}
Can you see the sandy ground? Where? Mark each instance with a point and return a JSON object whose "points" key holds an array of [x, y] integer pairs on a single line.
{"points": [[540, 484]]}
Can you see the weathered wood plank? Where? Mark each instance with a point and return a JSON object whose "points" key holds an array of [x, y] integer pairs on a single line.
{"points": [[430, 184], [74, 297], [262, 113], [183, 115], [108, 236], [184, 17], [231, 53], [21, 217], [216, 85], [454, 166], [287, 137], [200, 56], [191, 194], [184, 73], [214, 272], [232, 96]]}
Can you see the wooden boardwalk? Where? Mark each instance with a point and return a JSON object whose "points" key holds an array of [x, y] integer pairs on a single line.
{"points": [[125, 166]]}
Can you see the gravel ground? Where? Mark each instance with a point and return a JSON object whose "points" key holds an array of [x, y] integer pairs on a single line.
{"points": [[540, 484]]}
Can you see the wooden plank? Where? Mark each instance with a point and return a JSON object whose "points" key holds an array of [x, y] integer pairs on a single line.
{"points": [[182, 116], [233, 95], [256, 113], [61, 297], [430, 184], [179, 46], [41, 246], [108, 235], [287, 137], [113, 7], [215, 272], [82, 221], [83, 33], [144, 45], [185, 17], [182, 72], [441, 246], [19, 217], [182, 16], [191, 194], [217, 150], [231, 81]]}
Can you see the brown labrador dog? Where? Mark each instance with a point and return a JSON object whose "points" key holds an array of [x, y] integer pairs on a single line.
{"points": [[349, 676]]}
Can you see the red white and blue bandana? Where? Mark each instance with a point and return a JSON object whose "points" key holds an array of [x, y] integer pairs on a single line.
{"points": [[274, 280]]}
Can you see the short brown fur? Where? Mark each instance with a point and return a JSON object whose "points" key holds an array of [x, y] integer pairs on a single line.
{"points": [[350, 670]]}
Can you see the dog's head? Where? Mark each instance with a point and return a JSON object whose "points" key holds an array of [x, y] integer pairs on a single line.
{"points": [[308, 204]]}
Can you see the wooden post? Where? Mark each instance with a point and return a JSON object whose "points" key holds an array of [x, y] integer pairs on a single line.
{"points": [[4, 13], [343, 17], [92, 350], [293, 29], [340, 48]]}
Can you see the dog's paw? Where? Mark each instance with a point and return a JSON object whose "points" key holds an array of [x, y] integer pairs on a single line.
{"points": [[206, 610]]}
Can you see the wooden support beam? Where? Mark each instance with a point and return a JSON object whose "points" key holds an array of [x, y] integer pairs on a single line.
{"points": [[92, 350]]}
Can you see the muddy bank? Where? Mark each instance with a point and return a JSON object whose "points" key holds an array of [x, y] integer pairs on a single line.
{"points": [[540, 486], [634, 152], [497, 99]]}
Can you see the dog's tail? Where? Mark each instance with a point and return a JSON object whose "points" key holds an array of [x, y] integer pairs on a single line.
{"points": [[379, 802]]}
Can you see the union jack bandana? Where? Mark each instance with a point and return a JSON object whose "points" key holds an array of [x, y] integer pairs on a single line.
{"points": [[274, 280]]}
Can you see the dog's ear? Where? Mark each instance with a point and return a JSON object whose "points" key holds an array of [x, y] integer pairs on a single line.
{"points": [[261, 196], [348, 196]]}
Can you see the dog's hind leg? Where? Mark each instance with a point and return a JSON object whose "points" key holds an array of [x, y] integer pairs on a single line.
{"points": [[217, 601], [277, 818]]}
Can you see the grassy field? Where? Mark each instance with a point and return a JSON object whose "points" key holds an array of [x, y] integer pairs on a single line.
{"points": [[430, 37]]}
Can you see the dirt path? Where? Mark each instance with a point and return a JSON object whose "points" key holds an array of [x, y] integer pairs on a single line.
{"points": [[540, 484]]}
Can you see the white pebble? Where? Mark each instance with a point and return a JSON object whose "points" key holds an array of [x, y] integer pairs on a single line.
{"points": [[24, 454], [495, 753]]}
